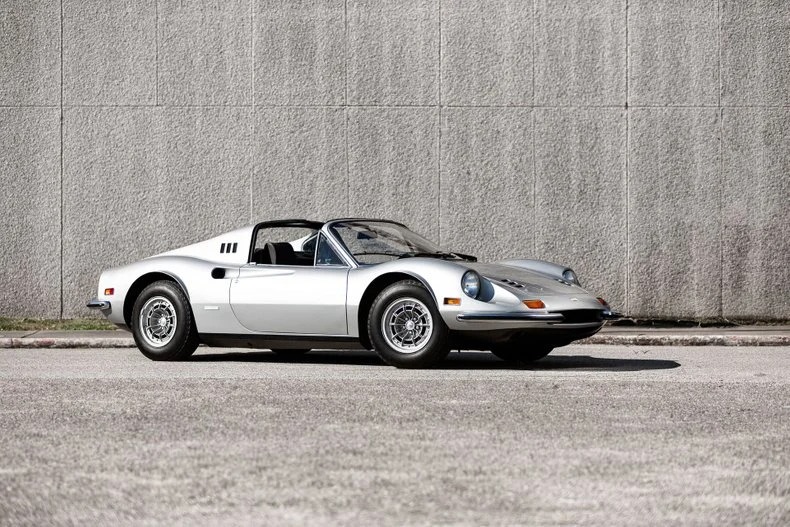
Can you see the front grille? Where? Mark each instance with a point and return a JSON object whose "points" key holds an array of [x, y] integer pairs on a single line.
{"points": [[580, 316]]}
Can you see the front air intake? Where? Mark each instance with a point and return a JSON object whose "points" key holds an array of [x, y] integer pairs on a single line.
{"points": [[581, 316]]}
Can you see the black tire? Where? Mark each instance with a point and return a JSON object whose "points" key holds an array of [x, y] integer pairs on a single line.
{"points": [[291, 352], [521, 353], [408, 301], [180, 338]]}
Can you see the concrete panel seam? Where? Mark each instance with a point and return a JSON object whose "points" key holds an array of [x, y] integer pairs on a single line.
{"points": [[627, 52], [345, 106], [100, 106], [348, 172], [721, 171], [534, 16], [718, 12], [627, 174], [539, 106], [532, 131], [345, 55], [439, 135], [252, 108], [721, 212], [156, 52], [29, 105], [61, 160]]}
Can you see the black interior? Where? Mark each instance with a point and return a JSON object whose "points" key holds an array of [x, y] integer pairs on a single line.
{"points": [[281, 253]]}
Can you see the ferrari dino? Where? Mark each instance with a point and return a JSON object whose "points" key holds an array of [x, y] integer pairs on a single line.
{"points": [[296, 285]]}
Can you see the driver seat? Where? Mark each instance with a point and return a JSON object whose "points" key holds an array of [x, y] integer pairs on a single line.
{"points": [[281, 253]]}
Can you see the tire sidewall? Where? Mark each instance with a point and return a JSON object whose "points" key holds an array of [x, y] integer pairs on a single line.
{"points": [[437, 347], [184, 339]]}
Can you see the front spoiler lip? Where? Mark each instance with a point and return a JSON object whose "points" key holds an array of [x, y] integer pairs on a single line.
{"points": [[104, 305], [541, 317]]}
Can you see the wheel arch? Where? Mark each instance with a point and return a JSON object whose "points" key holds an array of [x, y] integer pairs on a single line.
{"points": [[372, 291], [141, 283]]}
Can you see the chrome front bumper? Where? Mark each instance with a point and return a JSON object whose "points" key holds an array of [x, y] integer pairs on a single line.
{"points": [[103, 305]]}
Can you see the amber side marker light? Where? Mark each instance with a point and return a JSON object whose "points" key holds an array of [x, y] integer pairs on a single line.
{"points": [[109, 291], [534, 304], [452, 301]]}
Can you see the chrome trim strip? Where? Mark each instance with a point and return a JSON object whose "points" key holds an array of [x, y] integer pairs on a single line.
{"points": [[99, 304], [611, 315], [543, 317]]}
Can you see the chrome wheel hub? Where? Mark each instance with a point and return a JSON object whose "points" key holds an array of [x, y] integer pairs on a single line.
{"points": [[407, 325], [158, 321]]}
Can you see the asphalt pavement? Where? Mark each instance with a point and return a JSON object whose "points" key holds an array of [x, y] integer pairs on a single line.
{"points": [[593, 435], [752, 335]]}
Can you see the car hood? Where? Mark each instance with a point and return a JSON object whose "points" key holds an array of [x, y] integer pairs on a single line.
{"points": [[524, 280]]}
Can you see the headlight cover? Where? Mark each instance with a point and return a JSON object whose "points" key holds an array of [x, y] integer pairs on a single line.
{"points": [[470, 284], [570, 276]]}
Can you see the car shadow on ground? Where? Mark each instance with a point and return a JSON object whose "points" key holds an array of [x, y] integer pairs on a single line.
{"points": [[455, 361]]}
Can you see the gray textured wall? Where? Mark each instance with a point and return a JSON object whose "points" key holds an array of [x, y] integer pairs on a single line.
{"points": [[645, 142]]}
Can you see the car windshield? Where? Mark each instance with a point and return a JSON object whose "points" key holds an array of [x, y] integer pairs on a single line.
{"points": [[373, 242]]}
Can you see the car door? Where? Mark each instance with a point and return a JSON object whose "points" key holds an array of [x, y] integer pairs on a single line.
{"points": [[309, 300]]}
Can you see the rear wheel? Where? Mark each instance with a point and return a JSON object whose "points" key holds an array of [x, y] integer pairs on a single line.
{"points": [[162, 323], [521, 354], [405, 327]]}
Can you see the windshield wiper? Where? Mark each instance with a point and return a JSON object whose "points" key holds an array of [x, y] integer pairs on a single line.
{"points": [[417, 254], [467, 257], [438, 254], [368, 253]]}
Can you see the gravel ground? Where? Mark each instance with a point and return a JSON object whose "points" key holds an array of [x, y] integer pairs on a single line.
{"points": [[596, 435]]}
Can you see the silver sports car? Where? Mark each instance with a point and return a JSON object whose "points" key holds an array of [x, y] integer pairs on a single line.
{"points": [[293, 285]]}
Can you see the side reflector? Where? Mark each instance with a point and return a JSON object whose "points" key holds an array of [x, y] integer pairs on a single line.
{"points": [[452, 301], [602, 302], [109, 291], [534, 304]]}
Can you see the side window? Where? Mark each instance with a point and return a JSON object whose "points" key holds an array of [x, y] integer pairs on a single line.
{"points": [[326, 255], [284, 246]]}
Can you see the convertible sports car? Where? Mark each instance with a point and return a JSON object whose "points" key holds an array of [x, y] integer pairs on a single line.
{"points": [[293, 285]]}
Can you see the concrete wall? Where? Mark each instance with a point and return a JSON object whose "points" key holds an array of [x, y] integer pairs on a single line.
{"points": [[644, 142]]}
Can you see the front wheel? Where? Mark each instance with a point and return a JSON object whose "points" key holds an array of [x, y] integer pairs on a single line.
{"points": [[522, 354], [162, 323], [405, 327]]}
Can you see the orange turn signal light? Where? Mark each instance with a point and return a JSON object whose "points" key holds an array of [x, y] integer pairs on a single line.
{"points": [[534, 304], [452, 301], [109, 291]]}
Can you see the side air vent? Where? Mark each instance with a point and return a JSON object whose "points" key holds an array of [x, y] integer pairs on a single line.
{"points": [[228, 247]]}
